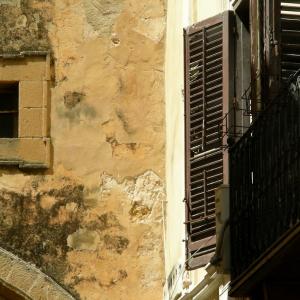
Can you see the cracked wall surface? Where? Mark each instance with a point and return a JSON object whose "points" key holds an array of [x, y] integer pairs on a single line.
{"points": [[93, 221]]}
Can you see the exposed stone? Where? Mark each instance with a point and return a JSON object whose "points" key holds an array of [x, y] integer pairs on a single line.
{"points": [[101, 14], [27, 280], [146, 193], [139, 211]]}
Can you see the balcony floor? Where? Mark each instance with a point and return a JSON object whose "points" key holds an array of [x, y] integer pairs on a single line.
{"points": [[276, 274]]}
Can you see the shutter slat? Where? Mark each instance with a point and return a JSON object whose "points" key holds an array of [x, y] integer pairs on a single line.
{"points": [[214, 94], [212, 71]]}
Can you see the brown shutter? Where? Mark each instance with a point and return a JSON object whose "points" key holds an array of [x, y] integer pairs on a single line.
{"points": [[207, 93], [282, 43], [290, 37]]}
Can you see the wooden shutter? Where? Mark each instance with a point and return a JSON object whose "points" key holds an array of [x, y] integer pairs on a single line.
{"points": [[281, 33], [207, 69], [290, 37]]}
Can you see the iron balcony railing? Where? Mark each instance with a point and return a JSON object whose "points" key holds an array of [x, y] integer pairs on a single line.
{"points": [[265, 180]]}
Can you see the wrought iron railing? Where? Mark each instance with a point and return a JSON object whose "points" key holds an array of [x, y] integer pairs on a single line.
{"points": [[265, 180]]}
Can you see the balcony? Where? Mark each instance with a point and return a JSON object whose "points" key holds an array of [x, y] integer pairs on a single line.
{"points": [[265, 195]]}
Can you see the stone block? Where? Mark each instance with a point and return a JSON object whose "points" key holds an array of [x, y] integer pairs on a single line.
{"points": [[21, 277], [20, 280], [25, 152], [45, 289], [34, 150], [6, 265], [9, 151], [31, 122], [31, 94], [19, 69]]}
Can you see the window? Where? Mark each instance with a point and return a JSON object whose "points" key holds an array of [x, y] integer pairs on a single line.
{"points": [[9, 109], [208, 70], [24, 109]]}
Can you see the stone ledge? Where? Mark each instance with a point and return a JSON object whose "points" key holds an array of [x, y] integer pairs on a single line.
{"points": [[28, 282]]}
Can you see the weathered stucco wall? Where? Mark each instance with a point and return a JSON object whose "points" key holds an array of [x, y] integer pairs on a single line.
{"points": [[93, 222]]}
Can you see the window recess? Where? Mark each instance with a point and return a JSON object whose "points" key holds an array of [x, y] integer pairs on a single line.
{"points": [[9, 109], [24, 110]]}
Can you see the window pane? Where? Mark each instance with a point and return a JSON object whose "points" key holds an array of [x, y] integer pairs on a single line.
{"points": [[9, 102]]}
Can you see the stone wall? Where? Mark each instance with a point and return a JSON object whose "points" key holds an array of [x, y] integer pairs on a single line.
{"points": [[93, 221]]}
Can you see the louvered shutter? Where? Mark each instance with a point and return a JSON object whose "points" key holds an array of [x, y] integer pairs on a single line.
{"points": [[290, 37], [282, 47], [207, 71]]}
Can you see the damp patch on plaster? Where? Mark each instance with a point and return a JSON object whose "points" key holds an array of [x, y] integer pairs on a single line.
{"points": [[75, 108], [27, 226], [108, 220], [115, 243], [71, 99], [83, 239]]}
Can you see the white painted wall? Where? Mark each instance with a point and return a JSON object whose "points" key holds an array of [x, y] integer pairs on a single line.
{"points": [[203, 9], [174, 227]]}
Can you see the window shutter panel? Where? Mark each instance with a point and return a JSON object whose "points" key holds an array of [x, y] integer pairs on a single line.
{"points": [[289, 37], [207, 93]]}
